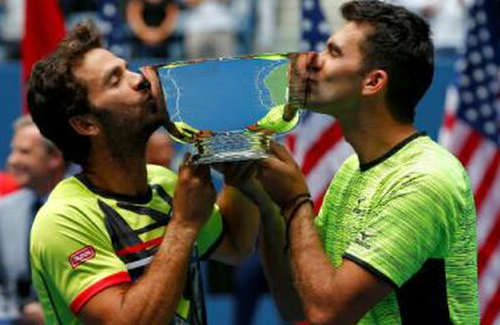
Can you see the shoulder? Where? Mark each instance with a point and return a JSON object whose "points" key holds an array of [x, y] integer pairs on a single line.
{"points": [[435, 164], [16, 200], [68, 209], [161, 176]]}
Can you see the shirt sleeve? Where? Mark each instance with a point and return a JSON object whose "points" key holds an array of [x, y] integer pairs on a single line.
{"points": [[412, 222], [75, 257], [211, 234]]}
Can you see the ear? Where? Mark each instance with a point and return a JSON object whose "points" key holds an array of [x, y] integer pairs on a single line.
{"points": [[375, 82], [84, 124]]}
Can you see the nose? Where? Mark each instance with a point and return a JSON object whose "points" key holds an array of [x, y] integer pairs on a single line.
{"points": [[12, 159], [139, 82]]}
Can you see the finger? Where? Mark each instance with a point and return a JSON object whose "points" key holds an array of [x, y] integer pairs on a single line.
{"points": [[280, 152], [241, 171], [270, 162], [202, 171], [186, 161]]}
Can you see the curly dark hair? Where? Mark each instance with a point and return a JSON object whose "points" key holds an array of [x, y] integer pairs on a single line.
{"points": [[54, 95], [400, 44]]}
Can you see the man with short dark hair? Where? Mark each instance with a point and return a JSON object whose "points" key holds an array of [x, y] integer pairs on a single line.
{"points": [[394, 241], [120, 243], [37, 165]]}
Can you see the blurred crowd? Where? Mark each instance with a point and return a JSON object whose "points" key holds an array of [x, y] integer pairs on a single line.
{"points": [[185, 29], [163, 29]]}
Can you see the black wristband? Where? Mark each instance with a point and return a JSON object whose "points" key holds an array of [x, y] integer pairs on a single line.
{"points": [[290, 219], [292, 202]]}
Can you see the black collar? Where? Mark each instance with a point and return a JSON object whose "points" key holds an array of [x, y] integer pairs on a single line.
{"points": [[138, 199], [399, 146]]}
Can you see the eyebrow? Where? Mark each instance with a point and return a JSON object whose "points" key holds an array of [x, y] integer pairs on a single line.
{"points": [[112, 72], [333, 47]]}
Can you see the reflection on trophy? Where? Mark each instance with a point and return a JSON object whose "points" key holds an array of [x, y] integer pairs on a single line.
{"points": [[229, 108]]}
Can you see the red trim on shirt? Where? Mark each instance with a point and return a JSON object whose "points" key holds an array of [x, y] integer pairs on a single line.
{"points": [[139, 247], [97, 287]]}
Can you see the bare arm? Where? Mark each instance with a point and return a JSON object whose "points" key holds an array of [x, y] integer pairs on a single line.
{"points": [[148, 34], [241, 216], [276, 263], [154, 297], [329, 295], [271, 240]]}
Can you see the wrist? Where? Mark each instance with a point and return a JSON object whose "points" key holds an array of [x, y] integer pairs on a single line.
{"points": [[299, 204], [289, 207], [188, 230]]}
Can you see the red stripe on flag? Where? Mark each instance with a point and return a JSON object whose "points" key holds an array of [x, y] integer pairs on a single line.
{"points": [[318, 201], [487, 181], [291, 142], [470, 146], [321, 146], [449, 121], [489, 245], [492, 308]]}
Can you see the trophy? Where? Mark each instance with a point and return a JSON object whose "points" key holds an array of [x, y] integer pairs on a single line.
{"points": [[229, 108]]}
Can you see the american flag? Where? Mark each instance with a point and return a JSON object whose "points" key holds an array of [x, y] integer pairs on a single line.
{"points": [[471, 131], [317, 143]]}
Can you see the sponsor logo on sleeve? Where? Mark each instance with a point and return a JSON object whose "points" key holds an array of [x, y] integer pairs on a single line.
{"points": [[81, 256]]}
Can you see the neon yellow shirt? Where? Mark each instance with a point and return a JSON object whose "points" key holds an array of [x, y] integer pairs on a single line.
{"points": [[84, 241], [409, 218]]}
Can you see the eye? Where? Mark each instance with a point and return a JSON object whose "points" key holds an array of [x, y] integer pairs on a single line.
{"points": [[114, 81]]}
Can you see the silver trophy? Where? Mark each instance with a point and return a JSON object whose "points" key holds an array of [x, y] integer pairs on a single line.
{"points": [[229, 108]]}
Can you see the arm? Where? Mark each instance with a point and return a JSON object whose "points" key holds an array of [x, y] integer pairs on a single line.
{"points": [[276, 262], [271, 240], [328, 294], [151, 35], [154, 297], [241, 216]]}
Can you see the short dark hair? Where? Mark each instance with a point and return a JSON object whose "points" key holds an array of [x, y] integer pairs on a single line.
{"points": [[400, 43], [54, 94]]}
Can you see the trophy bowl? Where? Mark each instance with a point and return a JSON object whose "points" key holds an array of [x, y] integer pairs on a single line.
{"points": [[229, 108]]}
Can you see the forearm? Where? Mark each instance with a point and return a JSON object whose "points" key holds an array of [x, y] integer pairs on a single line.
{"points": [[167, 26], [165, 280], [241, 221], [154, 297], [313, 273], [276, 264]]}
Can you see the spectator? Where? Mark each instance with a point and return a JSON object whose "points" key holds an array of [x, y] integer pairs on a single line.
{"points": [[37, 165], [152, 23], [210, 29], [12, 27]]}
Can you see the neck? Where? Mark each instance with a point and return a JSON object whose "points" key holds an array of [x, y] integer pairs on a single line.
{"points": [[124, 176], [372, 132]]}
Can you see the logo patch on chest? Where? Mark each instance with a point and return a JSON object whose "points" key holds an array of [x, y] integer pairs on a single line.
{"points": [[81, 256]]}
